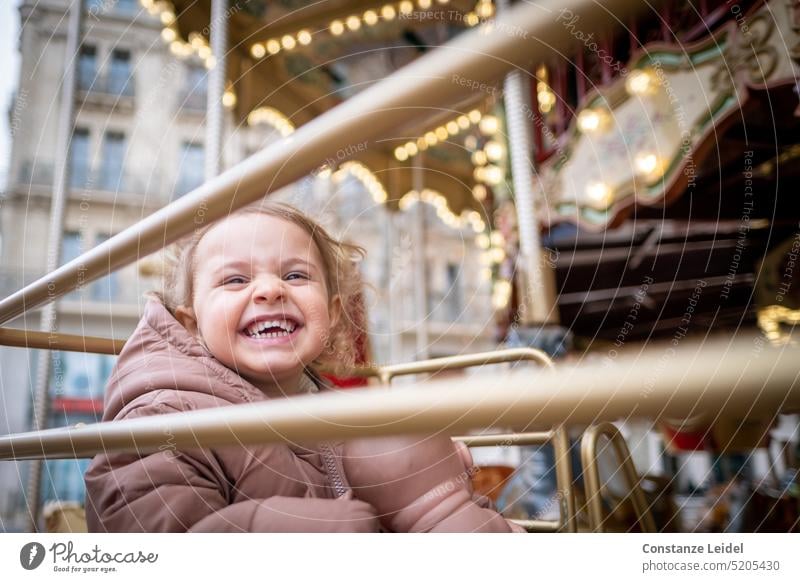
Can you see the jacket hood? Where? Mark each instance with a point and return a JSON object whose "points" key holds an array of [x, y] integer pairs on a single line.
{"points": [[161, 354]]}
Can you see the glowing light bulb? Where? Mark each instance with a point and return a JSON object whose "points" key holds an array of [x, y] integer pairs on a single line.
{"points": [[353, 22], [599, 193], [337, 27], [273, 46], [479, 192], [401, 154], [168, 34], [592, 120], [495, 151], [258, 50], [493, 175], [304, 37], [489, 125], [288, 42], [370, 17], [388, 12], [479, 158], [640, 82], [648, 165]]}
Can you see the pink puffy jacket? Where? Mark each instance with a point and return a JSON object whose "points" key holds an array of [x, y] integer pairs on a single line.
{"points": [[294, 487]]}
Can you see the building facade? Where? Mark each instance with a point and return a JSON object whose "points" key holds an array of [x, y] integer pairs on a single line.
{"points": [[137, 144]]}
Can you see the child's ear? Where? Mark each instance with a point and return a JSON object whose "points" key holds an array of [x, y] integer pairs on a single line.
{"points": [[185, 316]]}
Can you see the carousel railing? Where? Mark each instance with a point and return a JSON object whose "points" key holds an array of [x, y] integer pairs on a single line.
{"points": [[729, 381], [524, 34], [591, 476], [557, 437]]}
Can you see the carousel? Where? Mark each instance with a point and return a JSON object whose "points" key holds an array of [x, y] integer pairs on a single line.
{"points": [[625, 174]]}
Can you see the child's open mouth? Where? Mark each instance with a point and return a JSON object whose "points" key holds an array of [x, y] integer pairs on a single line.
{"points": [[271, 329]]}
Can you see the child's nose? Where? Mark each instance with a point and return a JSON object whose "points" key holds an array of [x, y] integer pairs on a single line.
{"points": [[268, 289]]}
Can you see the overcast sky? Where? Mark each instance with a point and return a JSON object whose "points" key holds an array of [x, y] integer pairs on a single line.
{"points": [[9, 69]]}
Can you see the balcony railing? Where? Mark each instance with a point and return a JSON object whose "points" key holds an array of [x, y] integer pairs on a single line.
{"points": [[193, 101], [111, 289], [117, 88], [83, 177]]}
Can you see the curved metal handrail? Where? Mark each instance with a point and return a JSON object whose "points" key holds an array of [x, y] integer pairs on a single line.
{"points": [[591, 476], [567, 520]]}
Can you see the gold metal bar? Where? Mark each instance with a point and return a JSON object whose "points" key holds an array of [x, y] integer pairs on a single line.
{"points": [[537, 525], [525, 34], [591, 475], [506, 440], [568, 520], [22, 338], [464, 361], [732, 381]]}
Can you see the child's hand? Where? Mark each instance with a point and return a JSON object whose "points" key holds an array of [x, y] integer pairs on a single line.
{"points": [[465, 455]]}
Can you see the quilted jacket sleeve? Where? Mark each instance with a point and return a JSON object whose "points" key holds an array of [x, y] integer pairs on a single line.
{"points": [[176, 491]]}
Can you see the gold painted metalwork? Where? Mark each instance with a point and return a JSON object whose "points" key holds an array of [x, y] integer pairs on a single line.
{"points": [[591, 476]]}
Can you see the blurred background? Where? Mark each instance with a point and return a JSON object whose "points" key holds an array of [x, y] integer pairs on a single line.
{"points": [[637, 190]]}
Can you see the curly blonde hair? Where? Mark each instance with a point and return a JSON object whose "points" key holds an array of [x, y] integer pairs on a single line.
{"points": [[342, 279]]}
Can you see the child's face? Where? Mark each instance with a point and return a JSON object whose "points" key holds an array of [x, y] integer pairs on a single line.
{"points": [[260, 300]]}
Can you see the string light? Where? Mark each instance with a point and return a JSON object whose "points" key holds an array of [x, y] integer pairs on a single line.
{"points": [[388, 12], [258, 50], [470, 218], [272, 117], [489, 125], [495, 151], [304, 37], [364, 175], [438, 134], [336, 27], [288, 42], [229, 98], [353, 23], [273, 46]]}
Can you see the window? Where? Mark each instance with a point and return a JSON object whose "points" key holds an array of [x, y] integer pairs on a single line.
{"points": [[192, 168], [111, 170], [453, 291], [105, 290], [79, 375], [79, 158], [120, 81], [71, 249], [87, 67], [62, 480], [195, 92]]}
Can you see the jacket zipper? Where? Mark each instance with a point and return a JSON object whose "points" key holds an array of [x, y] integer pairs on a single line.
{"points": [[333, 470]]}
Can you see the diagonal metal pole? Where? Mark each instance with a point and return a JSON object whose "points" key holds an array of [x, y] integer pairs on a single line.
{"points": [[66, 115], [524, 35]]}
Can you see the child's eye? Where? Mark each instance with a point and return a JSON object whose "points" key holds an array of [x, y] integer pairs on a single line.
{"points": [[296, 275], [234, 280]]}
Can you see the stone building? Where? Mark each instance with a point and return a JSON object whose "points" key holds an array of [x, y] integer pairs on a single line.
{"points": [[138, 143]]}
